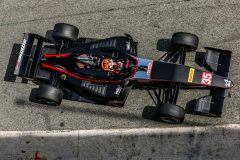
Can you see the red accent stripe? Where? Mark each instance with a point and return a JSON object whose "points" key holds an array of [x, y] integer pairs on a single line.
{"points": [[44, 65], [50, 55]]}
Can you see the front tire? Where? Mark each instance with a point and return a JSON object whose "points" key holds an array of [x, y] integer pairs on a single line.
{"points": [[187, 40], [170, 113], [49, 95]]}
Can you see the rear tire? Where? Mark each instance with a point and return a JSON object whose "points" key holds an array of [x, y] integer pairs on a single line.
{"points": [[49, 95], [63, 31], [171, 113], [187, 40]]}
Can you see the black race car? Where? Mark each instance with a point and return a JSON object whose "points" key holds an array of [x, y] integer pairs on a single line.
{"points": [[104, 71]]}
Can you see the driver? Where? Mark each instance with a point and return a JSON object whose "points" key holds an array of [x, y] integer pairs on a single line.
{"points": [[110, 65]]}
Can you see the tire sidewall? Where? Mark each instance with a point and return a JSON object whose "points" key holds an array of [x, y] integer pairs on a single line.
{"points": [[49, 94]]}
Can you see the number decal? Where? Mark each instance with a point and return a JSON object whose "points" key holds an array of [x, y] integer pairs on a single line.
{"points": [[206, 78]]}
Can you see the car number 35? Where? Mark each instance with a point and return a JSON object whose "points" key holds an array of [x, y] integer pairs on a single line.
{"points": [[206, 78]]}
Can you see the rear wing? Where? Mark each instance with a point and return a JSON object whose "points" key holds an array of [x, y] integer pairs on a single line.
{"points": [[28, 55]]}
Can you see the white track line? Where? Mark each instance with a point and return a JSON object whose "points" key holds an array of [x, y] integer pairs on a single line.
{"points": [[125, 131]]}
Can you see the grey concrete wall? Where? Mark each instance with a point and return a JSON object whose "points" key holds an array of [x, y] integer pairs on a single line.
{"points": [[219, 142], [216, 22]]}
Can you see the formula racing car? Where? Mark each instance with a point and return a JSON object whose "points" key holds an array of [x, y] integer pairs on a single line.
{"points": [[103, 71]]}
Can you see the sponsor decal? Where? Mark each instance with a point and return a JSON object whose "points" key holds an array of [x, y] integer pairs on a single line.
{"points": [[128, 46], [149, 69], [22, 50], [118, 90], [206, 78], [63, 76], [191, 75], [21, 53], [227, 83]]}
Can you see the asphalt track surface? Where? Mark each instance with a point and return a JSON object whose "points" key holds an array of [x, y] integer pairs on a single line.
{"points": [[216, 22]]}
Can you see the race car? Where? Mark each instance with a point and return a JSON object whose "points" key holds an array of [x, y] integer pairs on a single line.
{"points": [[103, 71]]}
